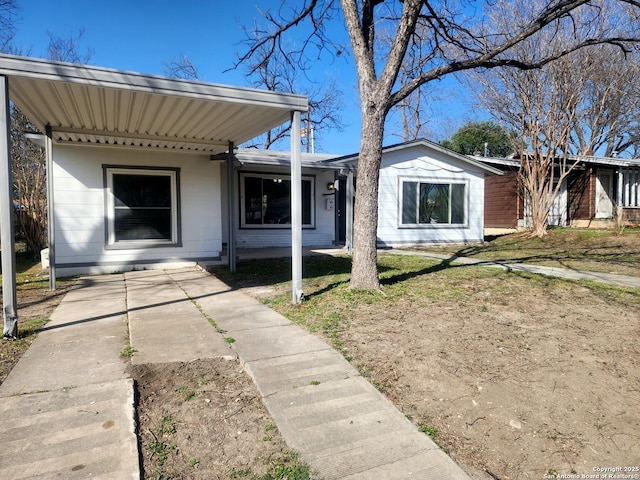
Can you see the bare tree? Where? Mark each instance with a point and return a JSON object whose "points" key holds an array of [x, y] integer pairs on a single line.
{"points": [[454, 41], [182, 68], [28, 159], [415, 111], [565, 108], [8, 10], [272, 71], [608, 121], [67, 48], [29, 183], [542, 106]]}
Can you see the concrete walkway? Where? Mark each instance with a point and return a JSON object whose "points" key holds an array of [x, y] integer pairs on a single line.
{"points": [[610, 278], [67, 408]]}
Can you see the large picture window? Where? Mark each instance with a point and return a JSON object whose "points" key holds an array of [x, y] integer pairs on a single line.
{"points": [[430, 203], [142, 207], [266, 201]]}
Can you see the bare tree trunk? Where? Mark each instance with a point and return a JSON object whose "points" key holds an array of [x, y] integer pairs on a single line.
{"points": [[445, 44], [539, 215], [364, 271]]}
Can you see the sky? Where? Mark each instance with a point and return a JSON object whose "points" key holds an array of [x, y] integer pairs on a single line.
{"points": [[144, 35]]}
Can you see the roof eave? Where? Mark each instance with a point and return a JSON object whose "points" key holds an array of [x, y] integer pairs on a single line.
{"points": [[353, 158]]}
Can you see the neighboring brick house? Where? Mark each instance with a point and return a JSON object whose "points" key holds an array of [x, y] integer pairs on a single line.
{"points": [[588, 198]]}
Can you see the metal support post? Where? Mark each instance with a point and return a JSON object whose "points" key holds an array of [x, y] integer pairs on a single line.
{"points": [[231, 237], [7, 238], [296, 209], [51, 223]]}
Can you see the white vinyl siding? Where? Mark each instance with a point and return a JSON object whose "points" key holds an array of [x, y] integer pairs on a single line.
{"points": [[420, 164], [322, 233], [80, 207]]}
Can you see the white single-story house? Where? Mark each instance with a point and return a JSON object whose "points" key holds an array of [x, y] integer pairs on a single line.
{"points": [[129, 209], [428, 194], [144, 172], [137, 164]]}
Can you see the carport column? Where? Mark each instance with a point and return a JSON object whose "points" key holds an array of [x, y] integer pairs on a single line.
{"points": [[231, 238], [51, 225], [296, 209], [7, 239]]}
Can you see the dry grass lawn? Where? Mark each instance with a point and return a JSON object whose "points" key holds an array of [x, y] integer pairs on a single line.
{"points": [[515, 375]]}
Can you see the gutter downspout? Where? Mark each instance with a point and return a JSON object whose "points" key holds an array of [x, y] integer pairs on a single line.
{"points": [[7, 236]]}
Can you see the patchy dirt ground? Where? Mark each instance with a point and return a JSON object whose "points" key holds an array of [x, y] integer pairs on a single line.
{"points": [[205, 420], [533, 384], [515, 376]]}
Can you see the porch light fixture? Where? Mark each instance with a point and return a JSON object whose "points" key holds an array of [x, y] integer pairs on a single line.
{"points": [[331, 186]]}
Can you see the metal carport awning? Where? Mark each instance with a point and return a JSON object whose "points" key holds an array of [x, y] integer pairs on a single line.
{"points": [[109, 107], [80, 104]]}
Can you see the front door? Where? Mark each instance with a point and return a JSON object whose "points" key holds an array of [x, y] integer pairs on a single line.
{"points": [[558, 211], [341, 212], [604, 187]]}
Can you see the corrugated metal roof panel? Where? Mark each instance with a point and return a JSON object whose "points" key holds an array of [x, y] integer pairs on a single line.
{"points": [[101, 106]]}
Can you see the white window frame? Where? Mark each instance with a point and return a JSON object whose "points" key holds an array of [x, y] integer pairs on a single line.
{"points": [[433, 181], [271, 176], [110, 237]]}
